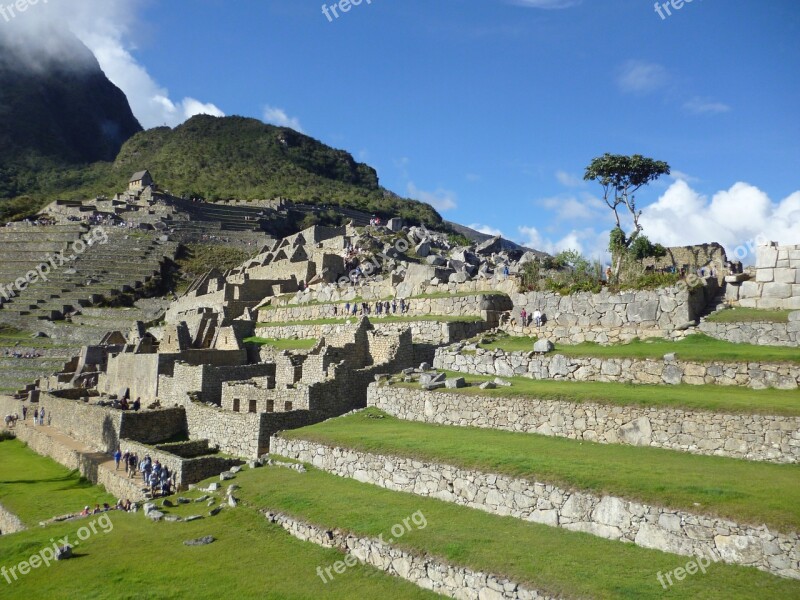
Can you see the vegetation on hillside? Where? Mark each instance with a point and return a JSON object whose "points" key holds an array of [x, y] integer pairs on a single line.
{"points": [[220, 158]]}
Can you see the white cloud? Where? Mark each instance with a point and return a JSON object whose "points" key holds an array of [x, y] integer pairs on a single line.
{"points": [[487, 229], [701, 106], [278, 116], [641, 77], [682, 216], [109, 30], [590, 243], [681, 176], [575, 208], [441, 199], [569, 180]]}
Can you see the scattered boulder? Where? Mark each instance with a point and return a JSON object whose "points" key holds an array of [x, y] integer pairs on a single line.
{"points": [[64, 552], [202, 498], [226, 475], [424, 366], [215, 511], [203, 541], [488, 385], [167, 503], [191, 518], [431, 378], [235, 469], [182, 500], [455, 382], [489, 247], [502, 382], [423, 249], [543, 346], [155, 515]]}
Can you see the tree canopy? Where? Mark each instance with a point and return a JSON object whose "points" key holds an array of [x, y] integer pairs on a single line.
{"points": [[621, 177]]}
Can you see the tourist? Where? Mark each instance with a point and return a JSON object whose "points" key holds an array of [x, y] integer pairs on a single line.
{"points": [[347, 308], [137, 404], [117, 457], [523, 317], [402, 305], [35, 416], [394, 305], [41, 417], [125, 458], [537, 317], [24, 413]]}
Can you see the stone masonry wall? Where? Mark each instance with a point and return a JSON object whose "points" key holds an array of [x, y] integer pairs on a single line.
{"points": [[762, 334], [784, 376], [449, 305], [87, 464], [9, 522], [777, 282], [669, 530], [430, 332], [608, 318], [426, 572], [745, 436]]}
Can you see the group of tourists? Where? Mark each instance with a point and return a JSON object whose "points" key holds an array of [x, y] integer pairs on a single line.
{"points": [[381, 307], [154, 475], [18, 354]]}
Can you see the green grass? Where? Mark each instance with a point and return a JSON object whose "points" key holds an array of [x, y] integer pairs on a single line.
{"points": [[750, 315], [140, 559], [375, 319], [548, 559], [282, 344], [715, 398], [697, 347], [36, 488], [747, 492]]}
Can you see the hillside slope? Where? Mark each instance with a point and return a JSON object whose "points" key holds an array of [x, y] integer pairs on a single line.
{"points": [[56, 110]]}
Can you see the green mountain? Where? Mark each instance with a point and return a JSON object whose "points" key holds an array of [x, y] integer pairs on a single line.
{"points": [[66, 132]]}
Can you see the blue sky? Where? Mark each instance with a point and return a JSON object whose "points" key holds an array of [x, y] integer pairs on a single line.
{"points": [[491, 109]]}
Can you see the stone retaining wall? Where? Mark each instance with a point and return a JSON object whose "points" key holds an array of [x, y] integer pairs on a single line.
{"points": [[9, 522], [746, 436], [608, 318], [429, 332], [417, 307], [762, 333], [88, 464], [669, 530], [785, 376], [423, 571]]}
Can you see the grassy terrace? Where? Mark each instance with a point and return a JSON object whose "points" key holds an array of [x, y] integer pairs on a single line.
{"points": [[282, 344], [36, 488], [563, 563], [136, 558], [740, 490], [750, 315], [375, 318], [697, 347], [727, 399]]}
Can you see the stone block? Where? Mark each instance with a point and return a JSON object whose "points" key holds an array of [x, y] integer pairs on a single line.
{"points": [[777, 290], [785, 275], [490, 385], [750, 289], [794, 316], [455, 383], [543, 346], [766, 257], [765, 275]]}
